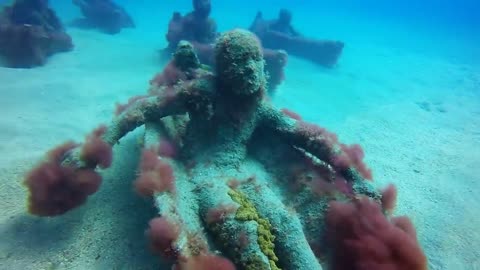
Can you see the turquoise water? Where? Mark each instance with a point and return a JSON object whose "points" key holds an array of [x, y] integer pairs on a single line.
{"points": [[406, 87]]}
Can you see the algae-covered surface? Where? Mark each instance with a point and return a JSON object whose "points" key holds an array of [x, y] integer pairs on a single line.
{"points": [[406, 91]]}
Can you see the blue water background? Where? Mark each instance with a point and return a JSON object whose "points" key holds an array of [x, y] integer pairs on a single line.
{"points": [[444, 27]]}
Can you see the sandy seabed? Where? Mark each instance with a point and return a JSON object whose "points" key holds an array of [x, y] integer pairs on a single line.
{"points": [[416, 115]]}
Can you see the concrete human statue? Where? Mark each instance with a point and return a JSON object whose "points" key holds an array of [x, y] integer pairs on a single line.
{"points": [[30, 32], [105, 15], [279, 34]]}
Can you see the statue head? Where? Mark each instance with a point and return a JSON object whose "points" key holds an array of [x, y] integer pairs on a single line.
{"points": [[239, 63], [35, 4], [185, 57], [284, 17], [202, 7]]}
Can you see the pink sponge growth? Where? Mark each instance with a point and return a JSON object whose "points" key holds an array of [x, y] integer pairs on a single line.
{"points": [[169, 76], [349, 156], [405, 224], [58, 153], [363, 238], [206, 262], [96, 151], [291, 114], [352, 156], [220, 213], [148, 161], [55, 189], [314, 131], [155, 175], [162, 235], [389, 198], [167, 148]]}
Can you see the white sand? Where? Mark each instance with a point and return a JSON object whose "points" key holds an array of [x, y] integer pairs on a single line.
{"points": [[415, 110]]}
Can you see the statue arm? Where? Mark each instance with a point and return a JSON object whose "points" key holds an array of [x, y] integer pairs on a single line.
{"points": [[141, 111], [294, 32], [342, 159], [291, 130], [136, 114]]}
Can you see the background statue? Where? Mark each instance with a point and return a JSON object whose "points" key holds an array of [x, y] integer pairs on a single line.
{"points": [[280, 34], [30, 32], [105, 15], [195, 27], [201, 31]]}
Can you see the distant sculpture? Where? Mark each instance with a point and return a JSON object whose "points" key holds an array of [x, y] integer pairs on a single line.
{"points": [[105, 15], [201, 31], [283, 24], [29, 33], [196, 26], [280, 34]]}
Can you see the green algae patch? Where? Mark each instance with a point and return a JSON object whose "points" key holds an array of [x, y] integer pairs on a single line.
{"points": [[265, 237], [256, 263]]}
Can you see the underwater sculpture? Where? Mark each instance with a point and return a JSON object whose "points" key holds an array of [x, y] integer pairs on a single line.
{"points": [[280, 34], [103, 14], [195, 27], [29, 33], [201, 31], [233, 177]]}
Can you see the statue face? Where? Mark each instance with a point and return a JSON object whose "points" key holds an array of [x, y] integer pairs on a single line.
{"points": [[202, 7], [239, 63]]}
